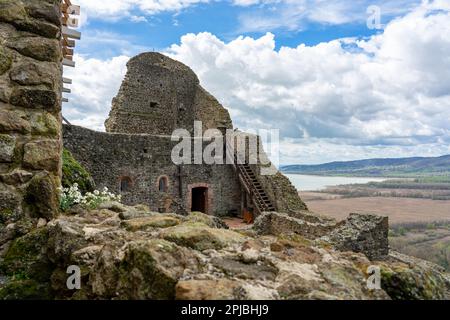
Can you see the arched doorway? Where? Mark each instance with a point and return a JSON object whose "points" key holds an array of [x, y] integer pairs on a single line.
{"points": [[200, 199], [163, 184], [125, 184]]}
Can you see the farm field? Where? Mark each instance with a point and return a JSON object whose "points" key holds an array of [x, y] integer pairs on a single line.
{"points": [[399, 210]]}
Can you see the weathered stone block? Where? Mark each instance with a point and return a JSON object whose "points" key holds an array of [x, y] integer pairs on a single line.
{"points": [[42, 196], [16, 177], [9, 205], [47, 10], [150, 222], [34, 98], [7, 147], [37, 47], [367, 234], [31, 73], [13, 121], [5, 60], [200, 237], [43, 123], [12, 11], [43, 154], [280, 223]]}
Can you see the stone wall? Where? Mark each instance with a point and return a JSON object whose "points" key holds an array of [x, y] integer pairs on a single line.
{"points": [[30, 113], [160, 95], [144, 159], [368, 234]]}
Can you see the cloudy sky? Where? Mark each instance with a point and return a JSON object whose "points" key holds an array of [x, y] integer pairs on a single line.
{"points": [[335, 88]]}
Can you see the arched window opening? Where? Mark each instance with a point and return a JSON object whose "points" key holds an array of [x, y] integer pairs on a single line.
{"points": [[163, 184], [125, 184]]}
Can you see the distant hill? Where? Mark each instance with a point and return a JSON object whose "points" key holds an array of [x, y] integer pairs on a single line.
{"points": [[401, 167]]}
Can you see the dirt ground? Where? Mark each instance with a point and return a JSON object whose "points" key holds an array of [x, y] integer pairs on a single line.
{"points": [[399, 210]]}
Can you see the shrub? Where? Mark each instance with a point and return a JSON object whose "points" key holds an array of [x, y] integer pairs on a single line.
{"points": [[91, 200]]}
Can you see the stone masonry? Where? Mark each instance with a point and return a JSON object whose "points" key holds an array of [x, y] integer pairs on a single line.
{"points": [[160, 95], [143, 160], [30, 112]]}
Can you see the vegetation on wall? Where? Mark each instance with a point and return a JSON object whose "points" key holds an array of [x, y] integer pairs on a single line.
{"points": [[75, 173]]}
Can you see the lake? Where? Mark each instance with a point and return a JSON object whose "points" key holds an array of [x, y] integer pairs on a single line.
{"points": [[316, 183]]}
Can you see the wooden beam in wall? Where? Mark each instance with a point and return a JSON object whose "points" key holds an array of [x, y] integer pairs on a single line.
{"points": [[67, 80], [66, 42], [69, 22], [70, 33], [67, 51], [72, 9], [66, 90], [68, 63]]}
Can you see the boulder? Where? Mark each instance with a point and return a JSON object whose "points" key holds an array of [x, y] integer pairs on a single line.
{"points": [[409, 278], [144, 223], [210, 221], [194, 261], [219, 289], [201, 237], [151, 269], [27, 257]]}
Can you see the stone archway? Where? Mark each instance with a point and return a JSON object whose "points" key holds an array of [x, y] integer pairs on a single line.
{"points": [[200, 198]]}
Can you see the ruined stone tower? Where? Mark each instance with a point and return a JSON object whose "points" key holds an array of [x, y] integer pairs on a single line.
{"points": [[134, 159], [160, 95]]}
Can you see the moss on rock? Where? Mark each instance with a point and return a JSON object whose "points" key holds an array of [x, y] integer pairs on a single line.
{"points": [[27, 257], [402, 282], [5, 60], [25, 289], [42, 196], [150, 222], [74, 172], [201, 237]]}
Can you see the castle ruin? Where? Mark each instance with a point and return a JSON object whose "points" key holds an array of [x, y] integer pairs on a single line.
{"points": [[133, 158]]}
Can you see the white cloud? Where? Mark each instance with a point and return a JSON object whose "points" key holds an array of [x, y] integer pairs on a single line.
{"points": [[138, 19], [390, 95], [95, 83], [296, 15], [117, 9]]}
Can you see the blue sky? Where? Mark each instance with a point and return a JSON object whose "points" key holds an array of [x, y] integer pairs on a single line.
{"points": [[336, 89], [227, 20]]}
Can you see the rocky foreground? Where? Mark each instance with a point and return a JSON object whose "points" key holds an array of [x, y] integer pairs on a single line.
{"points": [[132, 253]]}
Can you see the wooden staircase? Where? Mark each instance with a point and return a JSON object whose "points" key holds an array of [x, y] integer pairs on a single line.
{"points": [[251, 185]]}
